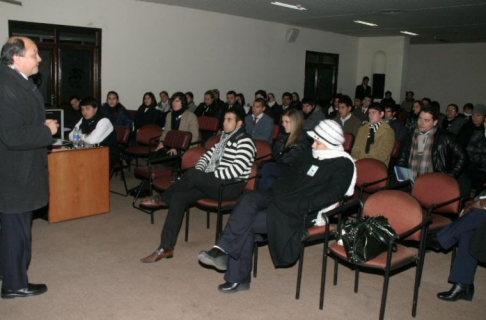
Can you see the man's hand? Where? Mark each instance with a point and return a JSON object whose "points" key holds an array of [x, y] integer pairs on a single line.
{"points": [[172, 152], [159, 146], [52, 125]]}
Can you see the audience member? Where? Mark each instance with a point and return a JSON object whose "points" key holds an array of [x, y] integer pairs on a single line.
{"points": [[147, 112], [286, 150], [429, 149], [240, 98], [231, 104], [179, 118], [208, 108], [230, 159], [296, 104], [388, 100], [310, 114], [426, 102], [259, 125], [453, 123], [96, 128], [363, 89], [468, 234], [375, 140], [408, 102], [436, 104], [332, 111], [191, 106], [164, 104], [286, 103], [271, 100], [115, 111], [217, 100], [398, 127], [73, 114], [346, 118], [319, 179], [362, 112], [412, 118], [467, 111], [357, 103]]}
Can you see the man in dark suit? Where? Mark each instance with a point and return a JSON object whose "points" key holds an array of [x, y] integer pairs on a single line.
{"points": [[286, 104], [24, 136], [259, 125], [363, 89], [231, 104]]}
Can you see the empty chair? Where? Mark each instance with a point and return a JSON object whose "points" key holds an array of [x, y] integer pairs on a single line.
{"points": [[145, 142], [122, 137]]}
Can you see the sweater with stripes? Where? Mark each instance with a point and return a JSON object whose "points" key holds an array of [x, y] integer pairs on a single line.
{"points": [[237, 159]]}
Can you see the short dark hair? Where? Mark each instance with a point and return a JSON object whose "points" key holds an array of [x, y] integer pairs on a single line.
{"points": [[346, 100], [242, 97], [388, 92], [181, 97], [427, 99], [77, 97], [468, 106], [262, 93], [431, 110], [310, 101], [435, 104], [190, 94], [366, 78], [411, 92], [368, 96], [455, 106], [211, 94], [233, 111], [377, 106], [231, 92], [287, 94], [13, 47], [88, 101], [164, 92], [393, 109], [262, 101]]}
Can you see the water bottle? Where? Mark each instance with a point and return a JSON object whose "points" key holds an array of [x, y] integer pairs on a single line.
{"points": [[76, 138]]}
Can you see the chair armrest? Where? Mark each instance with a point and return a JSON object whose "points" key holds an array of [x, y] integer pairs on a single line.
{"points": [[398, 185], [263, 157], [436, 206], [408, 233], [367, 184]]}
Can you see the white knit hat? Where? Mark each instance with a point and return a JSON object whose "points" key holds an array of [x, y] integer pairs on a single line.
{"points": [[328, 132]]}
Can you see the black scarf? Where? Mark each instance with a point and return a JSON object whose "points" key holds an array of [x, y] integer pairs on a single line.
{"points": [[176, 119], [371, 135], [87, 126]]}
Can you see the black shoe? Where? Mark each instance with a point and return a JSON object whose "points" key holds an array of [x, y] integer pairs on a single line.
{"points": [[458, 292], [214, 257], [31, 290], [432, 242], [230, 287]]}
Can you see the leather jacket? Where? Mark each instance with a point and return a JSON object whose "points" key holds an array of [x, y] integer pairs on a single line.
{"points": [[447, 155]]}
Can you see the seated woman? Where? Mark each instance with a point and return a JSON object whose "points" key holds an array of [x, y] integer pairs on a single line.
{"points": [[240, 98], [115, 111], [296, 104], [209, 107], [179, 118], [286, 150], [469, 234], [147, 112], [96, 128]]}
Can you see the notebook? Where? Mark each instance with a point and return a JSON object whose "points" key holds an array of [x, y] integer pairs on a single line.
{"points": [[403, 174]]}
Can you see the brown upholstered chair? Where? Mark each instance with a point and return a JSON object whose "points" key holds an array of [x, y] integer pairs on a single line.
{"points": [[348, 142], [122, 137], [394, 154], [404, 214], [212, 141], [372, 175], [145, 142], [208, 126], [263, 152], [276, 131]]}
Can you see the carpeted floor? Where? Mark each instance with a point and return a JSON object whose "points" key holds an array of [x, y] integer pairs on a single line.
{"points": [[92, 269]]}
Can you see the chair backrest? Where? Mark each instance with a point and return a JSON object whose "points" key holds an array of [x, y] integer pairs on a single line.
{"points": [[177, 139], [212, 141], [396, 149], [148, 132], [263, 152], [402, 210], [369, 170], [208, 123], [122, 135], [434, 188], [276, 131], [191, 157], [348, 142], [251, 184]]}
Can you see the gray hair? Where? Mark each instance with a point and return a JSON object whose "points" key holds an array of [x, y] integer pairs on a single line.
{"points": [[13, 47]]}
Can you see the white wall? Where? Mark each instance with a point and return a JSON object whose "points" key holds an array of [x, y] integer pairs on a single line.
{"points": [[395, 50], [448, 73], [153, 47]]}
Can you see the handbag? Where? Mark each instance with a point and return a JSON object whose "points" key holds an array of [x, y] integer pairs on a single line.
{"points": [[366, 238]]}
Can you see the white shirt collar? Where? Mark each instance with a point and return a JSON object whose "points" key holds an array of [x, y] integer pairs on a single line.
{"points": [[345, 119], [23, 75]]}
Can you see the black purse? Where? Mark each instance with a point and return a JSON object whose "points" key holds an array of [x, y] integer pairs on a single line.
{"points": [[366, 238]]}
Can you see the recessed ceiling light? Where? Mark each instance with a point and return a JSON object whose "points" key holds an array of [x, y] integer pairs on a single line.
{"points": [[290, 6], [366, 23], [409, 33]]}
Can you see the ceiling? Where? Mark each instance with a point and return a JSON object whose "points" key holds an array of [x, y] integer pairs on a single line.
{"points": [[436, 21]]}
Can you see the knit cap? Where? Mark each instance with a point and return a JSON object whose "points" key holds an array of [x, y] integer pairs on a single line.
{"points": [[328, 132]]}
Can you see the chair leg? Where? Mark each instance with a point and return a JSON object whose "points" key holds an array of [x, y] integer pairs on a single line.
{"points": [[186, 238], [324, 271], [142, 185], [299, 271], [151, 216], [207, 219], [356, 280], [384, 293], [255, 260], [335, 271]]}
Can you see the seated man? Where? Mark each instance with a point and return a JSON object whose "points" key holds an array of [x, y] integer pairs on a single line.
{"points": [[259, 125], [429, 149], [397, 127], [376, 139], [73, 114], [96, 128], [231, 158], [310, 114], [319, 179], [453, 123], [346, 118], [230, 104], [388, 100], [362, 112], [468, 233]]}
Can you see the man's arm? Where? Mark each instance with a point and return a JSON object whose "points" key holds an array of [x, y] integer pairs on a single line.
{"points": [[203, 162], [242, 161], [102, 130], [460, 158]]}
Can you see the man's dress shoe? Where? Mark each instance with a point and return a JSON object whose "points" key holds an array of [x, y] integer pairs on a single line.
{"points": [[433, 243], [214, 257], [458, 292], [230, 287], [157, 255], [31, 290]]}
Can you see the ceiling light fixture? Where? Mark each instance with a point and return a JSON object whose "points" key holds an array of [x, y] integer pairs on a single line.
{"points": [[409, 33], [290, 6], [366, 23]]}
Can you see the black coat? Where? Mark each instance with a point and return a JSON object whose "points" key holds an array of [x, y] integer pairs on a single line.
{"points": [[447, 155], [23, 141], [150, 116], [291, 154], [294, 194], [360, 91]]}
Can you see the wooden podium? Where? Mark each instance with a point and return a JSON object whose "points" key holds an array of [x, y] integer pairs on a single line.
{"points": [[79, 183]]}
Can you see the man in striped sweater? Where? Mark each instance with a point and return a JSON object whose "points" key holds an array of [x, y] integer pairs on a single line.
{"points": [[231, 158]]}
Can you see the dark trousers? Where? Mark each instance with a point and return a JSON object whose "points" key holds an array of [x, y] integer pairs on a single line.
{"points": [[193, 185], [238, 238], [270, 172], [15, 249], [460, 233]]}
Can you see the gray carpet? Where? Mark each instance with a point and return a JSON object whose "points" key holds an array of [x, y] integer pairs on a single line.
{"points": [[92, 269]]}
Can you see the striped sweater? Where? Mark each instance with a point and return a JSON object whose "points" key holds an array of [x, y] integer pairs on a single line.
{"points": [[237, 159]]}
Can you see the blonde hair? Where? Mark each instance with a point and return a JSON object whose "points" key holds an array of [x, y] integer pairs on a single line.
{"points": [[296, 125]]}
